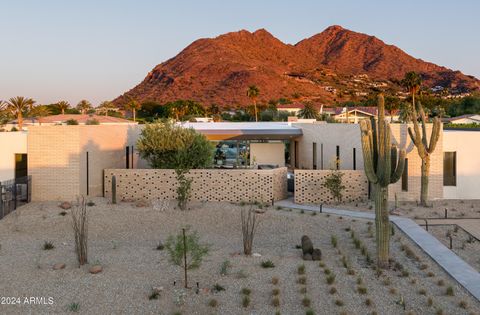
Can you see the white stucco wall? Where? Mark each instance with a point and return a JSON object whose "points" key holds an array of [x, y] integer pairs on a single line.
{"points": [[467, 146], [10, 144], [268, 153]]}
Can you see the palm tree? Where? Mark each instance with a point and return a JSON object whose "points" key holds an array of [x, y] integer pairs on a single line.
{"points": [[308, 112], [412, 82], [83, 106], [133, 105], [63, 106], [40, 111], [19, 105], [253, 92], [106, 106]]}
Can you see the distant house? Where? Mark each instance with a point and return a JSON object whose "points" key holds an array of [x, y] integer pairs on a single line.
{"points": [[355, 114], [62, 120], [464, 119], [291, 108]]}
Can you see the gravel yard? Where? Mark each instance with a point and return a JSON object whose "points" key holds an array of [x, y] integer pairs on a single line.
{"points": [[123, 239]]}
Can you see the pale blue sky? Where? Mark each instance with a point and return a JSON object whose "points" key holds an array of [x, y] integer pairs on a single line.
{"points": [[52, 50]]}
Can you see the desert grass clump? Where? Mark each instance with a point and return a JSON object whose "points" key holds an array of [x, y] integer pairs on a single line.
{"points": [[362, 290], [450, 291], [154, 295], [276, 302], [225, 268], [303, 290], [275, 292], [321, 264], [246, 291], [430, 274], [213, 303], [359, 280], [350, 272], [74, 307], [331, 278], [393, 291], [48, 245], [440, 283], [249, 226], [275, 280], [80, 230], [339, 303], [245, 301], [301, 270], [387, 282], [267, 264], [422, 292], [309, 312], [306, 302], [302, 280], [368, 302], [334, 241], [327, 271], [332, 290], [429, 301], [423, 266], [463, 304]]}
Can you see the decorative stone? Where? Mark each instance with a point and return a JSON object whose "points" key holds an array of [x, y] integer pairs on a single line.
{"points": [[317, 254], [256, 255], [307, 257], [58, 266], [307, 245], [95, 269], [157, 290], [65, 205]]}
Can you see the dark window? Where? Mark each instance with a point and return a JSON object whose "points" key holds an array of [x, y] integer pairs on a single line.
{"points": [[321, 155], [405, 177], [295, 144], [21, 165], [314, 158], [337, 161], [354, 159], [449, 168], [127, 154]]}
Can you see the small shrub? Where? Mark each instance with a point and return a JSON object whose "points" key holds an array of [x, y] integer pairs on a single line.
{"points": [[321, 264], [71, 122], [362, 290], [276, 302], [327, 271], [463, 304], [225, 268], [334, 183], [90, 203], [160, 246], [74, 307], [213, 303], [393, 291], [430, 274], [333, 240], [423, 266], [275, 280], [153, 295], [368, 302], [306, 302], [302, 280], [429, 301], [405, 273], [331, 278], [450, 291], [359, 280], [301, 270], [387, 281], [217, 287], [267, 264], [303, 290], [246, 291], [275, 292], [245, 301], [309, 312], [63, 213], [439, 312], [332, 290], [242, 274], [422, 292], [339, 302], [48, 245], [440, 283], [351, 272]]}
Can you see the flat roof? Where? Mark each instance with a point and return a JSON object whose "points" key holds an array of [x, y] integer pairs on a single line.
{"points": [[245, 130]]}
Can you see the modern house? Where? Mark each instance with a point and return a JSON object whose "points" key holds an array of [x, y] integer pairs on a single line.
{"points": [[464, 119], [65, 161]]}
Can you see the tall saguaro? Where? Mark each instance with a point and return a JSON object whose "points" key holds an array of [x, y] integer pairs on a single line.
{"points": [[424, 148], [384, 163]]}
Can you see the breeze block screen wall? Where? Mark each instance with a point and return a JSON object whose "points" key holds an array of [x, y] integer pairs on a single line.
{"points": [[309, 186], [208, 184]]}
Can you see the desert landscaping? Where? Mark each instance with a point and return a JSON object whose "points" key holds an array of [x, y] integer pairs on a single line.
{"points": [[128, 241]]}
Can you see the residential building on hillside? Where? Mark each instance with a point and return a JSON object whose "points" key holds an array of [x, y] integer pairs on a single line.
{"points": [[464, 119]]}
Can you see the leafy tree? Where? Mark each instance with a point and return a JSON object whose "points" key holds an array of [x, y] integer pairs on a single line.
{"points": [[334, 184], [183, 110], [412, 82], [392, 103], [186, 251], [19, 106], [252, 92], [133, 105], [308, 112], [213, 110], [84, 106], [106, 107], [63, 106], [153, 110]]}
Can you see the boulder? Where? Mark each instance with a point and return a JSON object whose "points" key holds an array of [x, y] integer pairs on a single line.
{"points": [[65, 205], [317, 254], [307, 257], [95, 269], [307, 245], [58, 266]]}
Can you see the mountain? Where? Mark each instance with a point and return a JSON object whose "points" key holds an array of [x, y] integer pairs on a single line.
{"points": [[334, 65]]}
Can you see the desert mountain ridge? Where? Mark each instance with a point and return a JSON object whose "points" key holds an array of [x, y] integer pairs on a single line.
{"points": [[332, 66]]}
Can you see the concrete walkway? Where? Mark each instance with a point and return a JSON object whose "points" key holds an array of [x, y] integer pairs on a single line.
{"points": [[472, 226], [468, 277]]}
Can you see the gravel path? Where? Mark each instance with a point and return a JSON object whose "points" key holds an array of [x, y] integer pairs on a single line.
{"points": [[123, 239]]}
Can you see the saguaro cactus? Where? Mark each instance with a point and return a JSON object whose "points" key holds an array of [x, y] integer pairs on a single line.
{"points": [[382, 168], [114, 189], [424, 149]]}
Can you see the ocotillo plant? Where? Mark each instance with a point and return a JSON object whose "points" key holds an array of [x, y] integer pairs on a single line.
{"points": [[382, 169], [114, 189], [424, 148]]}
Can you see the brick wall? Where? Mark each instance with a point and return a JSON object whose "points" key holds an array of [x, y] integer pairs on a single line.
{"points": [[207, 185], [309, 186]]}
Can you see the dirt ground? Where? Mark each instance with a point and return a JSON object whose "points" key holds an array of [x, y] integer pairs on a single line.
{"points": [[123, 240]]}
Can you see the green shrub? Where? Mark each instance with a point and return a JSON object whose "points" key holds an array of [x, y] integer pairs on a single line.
{"points": [[333, 240], [71, 122], [306, 302], [275, 302], [225, 267], [48, 245], [74, 307], [267, 264], [450, 291], [213, 303], [246, 291], [301, 269], [334, 183], [245, 301], [331, 278]]}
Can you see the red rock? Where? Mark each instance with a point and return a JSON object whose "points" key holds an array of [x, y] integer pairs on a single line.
{"points": [[65, 205], [58, 266], [95, 269]]}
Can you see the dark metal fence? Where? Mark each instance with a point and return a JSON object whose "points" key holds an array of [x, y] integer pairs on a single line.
{"points": [[14, 193]]}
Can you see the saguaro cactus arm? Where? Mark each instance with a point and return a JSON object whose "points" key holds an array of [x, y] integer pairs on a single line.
{"points": [[368, 150]]}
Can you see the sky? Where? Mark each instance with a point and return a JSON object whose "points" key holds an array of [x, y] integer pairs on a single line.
{"points": [[97, 50]]}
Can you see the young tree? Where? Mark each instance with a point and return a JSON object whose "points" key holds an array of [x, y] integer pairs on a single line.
{"points": [[186, 251], [382, 169], [308, 112], [252, 92], [84, 106], [133, 105], [169, 146], [424, 148], [18, 106], [106, 107], [63, 106]]}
